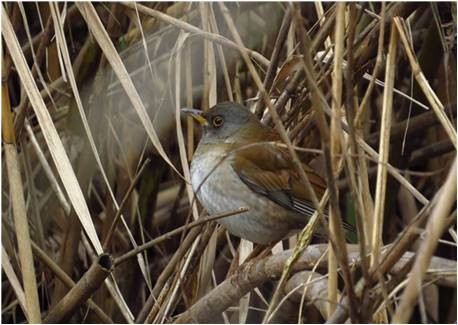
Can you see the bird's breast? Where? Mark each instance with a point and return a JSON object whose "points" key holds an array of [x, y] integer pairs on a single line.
{"points": [[219, 189]]}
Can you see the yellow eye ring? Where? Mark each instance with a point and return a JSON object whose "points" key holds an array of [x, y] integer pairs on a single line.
{"points": [[217, 121]]}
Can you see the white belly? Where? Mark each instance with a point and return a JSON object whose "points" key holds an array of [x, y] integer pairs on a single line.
{"points": [[219, 189]]}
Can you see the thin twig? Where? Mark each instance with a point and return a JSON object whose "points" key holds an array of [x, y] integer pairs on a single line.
{"points": [[176, 231]]}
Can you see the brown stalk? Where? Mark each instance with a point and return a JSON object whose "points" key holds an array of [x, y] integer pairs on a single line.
{"points": [[298, 75], [82, 290], [34, 207], [14, 281], [208, 59]]}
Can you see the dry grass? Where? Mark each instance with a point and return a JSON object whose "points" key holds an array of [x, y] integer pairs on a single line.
{"points": [[96, 159]]}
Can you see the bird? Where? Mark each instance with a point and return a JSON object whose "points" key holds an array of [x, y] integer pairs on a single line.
{"points": [[238, 163]]}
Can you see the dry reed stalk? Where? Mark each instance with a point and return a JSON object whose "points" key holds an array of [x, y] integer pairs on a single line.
{"points": [[359, 121], [69, 70], [167, 306], [384, 146], [280, 128], [245, 249], [189, 102], [319, 105], [34, 206], [209, 96], [424, 84], [274, 60], [335, 141], [83, 289], [36, 63], [15, 283], [50, 134], [321, 18], [181, 143], [19, 209], [434, 229]]}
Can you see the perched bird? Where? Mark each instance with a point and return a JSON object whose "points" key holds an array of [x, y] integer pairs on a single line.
{"points": [[237, 164]]}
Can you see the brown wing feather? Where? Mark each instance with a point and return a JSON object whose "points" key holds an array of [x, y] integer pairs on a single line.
{"points": [[268, 170]]}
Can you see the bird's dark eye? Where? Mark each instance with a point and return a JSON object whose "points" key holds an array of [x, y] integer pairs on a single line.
{"points": [[217, 121]]}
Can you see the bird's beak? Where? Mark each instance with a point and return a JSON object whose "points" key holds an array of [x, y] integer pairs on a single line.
{"points": [[196, 114]]}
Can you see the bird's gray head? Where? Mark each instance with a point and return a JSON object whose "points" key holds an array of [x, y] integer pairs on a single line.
{"points": [[223, 121]]}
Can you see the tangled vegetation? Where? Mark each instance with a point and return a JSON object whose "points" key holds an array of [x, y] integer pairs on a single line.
{"points": [[100, 223]]}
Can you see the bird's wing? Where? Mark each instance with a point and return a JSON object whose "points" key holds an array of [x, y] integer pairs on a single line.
{"points": [[267, 169]]}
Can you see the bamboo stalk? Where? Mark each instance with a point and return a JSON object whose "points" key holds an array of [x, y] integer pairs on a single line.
{"points": [[19, 210]]}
